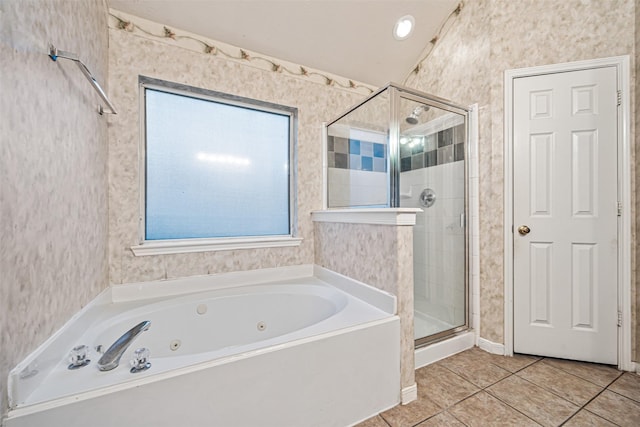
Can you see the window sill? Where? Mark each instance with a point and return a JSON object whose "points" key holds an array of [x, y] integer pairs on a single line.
{"points": [[164, 247], [377, 216]]}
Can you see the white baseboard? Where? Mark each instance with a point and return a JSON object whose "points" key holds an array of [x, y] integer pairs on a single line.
{"points": [[409, 394], [432, 353], [490, 346]]}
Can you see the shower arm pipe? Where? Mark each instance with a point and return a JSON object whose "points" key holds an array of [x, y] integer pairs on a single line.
{"points": [[54, 54]]}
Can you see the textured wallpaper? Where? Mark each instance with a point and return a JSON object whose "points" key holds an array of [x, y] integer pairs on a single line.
{"points": [[467, 66], [132, 54], [53, 171], [381, 256], [634, 249]]}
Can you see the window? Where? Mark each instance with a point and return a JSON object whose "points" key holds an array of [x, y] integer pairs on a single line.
{"points": [[216, 167]]}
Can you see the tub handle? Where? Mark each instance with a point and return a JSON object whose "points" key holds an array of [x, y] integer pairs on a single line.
{"points": [[140, 361]]}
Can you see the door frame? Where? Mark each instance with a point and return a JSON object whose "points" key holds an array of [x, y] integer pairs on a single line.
{"points": [[622, 64]]}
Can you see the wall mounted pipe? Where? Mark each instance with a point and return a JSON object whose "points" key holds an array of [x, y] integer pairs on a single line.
{"points": [[54, 54]]}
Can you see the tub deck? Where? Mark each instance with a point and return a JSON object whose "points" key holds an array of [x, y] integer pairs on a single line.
{"points": [[318, 361]]}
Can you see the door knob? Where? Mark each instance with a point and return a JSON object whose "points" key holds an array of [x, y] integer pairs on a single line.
{"points": [[523, 230]]}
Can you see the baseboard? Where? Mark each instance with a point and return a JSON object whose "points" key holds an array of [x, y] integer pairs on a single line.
{"points": [[409, 394], [432, 353], [490, 346]]}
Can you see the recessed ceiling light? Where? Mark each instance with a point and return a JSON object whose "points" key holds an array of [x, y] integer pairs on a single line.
{"points": [[404, 27]]}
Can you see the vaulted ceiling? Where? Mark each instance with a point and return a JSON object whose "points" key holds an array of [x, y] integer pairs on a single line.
{"points": [[350, 38]]}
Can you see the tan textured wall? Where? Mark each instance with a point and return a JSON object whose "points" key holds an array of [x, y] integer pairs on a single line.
{"points": [[467, 66], [381, 256], [53, 171], [636, 176], [132, 55]]}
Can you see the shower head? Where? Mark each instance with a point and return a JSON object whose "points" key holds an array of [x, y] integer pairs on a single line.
{"points": [[412, 119]]}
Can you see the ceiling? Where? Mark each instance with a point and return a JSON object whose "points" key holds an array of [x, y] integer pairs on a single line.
{"points": [[350, 38]]}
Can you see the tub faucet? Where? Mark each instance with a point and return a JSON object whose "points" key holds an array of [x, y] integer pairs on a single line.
{"points": [[111, 358]]}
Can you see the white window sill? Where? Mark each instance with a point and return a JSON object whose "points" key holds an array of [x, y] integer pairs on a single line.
{"points": [[377, 216], [163, 247]]}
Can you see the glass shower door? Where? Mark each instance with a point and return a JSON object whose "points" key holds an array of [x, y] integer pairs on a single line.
{"points": [[432, 177]]}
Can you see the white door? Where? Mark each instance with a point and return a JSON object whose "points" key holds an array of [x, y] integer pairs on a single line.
{"points": [[565, 215]]}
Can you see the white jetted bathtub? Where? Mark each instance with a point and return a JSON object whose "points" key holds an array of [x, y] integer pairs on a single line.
{"points": [[298, 346]]}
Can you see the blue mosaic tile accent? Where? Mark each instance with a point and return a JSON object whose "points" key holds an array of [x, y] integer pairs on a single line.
{"points": [[344, 153], [417, 148], [430, 158], [417, 161], [438, 148], [340, 145], [355, 162], [366, 148], [341, 160], [367, 163], [405, 150], [458, 152], [405, 164], [354, 146], [379, 164], [445, 137], [378, 150]]}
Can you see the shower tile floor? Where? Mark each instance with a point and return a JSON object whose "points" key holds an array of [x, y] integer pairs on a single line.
{"points": [[475, 388]]}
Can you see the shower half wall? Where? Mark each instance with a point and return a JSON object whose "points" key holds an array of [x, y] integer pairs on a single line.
{"points": [[403, 148]]}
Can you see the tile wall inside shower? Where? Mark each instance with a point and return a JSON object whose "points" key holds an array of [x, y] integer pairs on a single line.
{"points": [[438, 148], [439, 246], [357, 166]]}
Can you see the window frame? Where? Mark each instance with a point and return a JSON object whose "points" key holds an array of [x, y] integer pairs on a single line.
{"points": [[170, 246]]}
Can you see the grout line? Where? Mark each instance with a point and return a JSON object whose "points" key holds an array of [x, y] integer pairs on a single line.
{"points": [[563, 397], [622, 395], [580, 408], [518, 410], [508, 405], [447, 412], [620, 373], [457, 419], [583, 407], [384, 421]]}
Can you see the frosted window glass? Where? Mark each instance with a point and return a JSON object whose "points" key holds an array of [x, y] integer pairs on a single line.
{"points": [[214, 169]]}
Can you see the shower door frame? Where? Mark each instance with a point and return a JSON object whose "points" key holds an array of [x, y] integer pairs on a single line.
{"points": [[396, 94]]}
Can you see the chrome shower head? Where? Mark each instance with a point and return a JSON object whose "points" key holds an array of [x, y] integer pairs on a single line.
{"points": [[412, 119]]}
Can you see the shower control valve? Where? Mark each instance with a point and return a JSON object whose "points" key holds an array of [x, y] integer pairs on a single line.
{"points": [[427, 198]]}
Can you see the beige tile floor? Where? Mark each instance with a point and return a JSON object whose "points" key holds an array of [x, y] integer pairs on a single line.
{"points": [[475, 388]]}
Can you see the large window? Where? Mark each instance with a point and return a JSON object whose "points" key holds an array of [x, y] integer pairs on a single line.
{"points": [[216, 166]]}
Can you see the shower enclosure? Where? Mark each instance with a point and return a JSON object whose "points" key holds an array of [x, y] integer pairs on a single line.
{"points": [[404, 148]]}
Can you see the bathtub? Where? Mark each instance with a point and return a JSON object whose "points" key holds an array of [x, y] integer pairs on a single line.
{"points": [[296, 346]]}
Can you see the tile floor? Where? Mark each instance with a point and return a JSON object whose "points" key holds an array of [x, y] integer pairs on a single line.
{"points": [[476, 388]]}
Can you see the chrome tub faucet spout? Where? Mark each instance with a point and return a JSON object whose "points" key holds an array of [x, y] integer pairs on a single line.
{"points": [[111, 358]]}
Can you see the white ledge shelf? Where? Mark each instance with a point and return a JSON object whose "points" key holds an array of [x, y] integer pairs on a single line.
{"points": [[205, 245], [377, 216]]}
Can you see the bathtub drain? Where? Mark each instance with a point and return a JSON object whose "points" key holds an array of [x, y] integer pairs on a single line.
{"points": [[262, 326], [175, 344]]}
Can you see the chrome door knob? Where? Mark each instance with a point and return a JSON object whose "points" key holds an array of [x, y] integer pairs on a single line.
{"points": [[524, 230]]}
